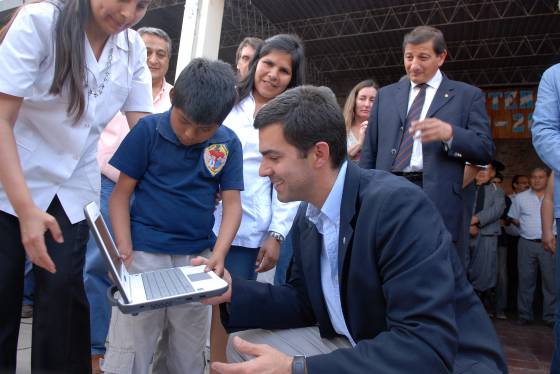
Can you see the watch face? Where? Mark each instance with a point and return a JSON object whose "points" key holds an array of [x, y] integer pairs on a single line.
{"points": [[298, 365]]}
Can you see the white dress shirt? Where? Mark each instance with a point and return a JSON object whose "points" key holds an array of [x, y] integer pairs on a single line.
{"points": [[327, 221], [526, 208], [262, 212], [416, 160], [58, 154]]}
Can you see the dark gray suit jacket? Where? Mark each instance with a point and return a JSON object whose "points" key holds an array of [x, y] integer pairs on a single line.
{"points": [[456, 103]]}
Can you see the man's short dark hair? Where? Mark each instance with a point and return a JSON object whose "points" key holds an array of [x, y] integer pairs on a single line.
{"points": [[205, 91], [249, 40], [515, 179], [308, 115], [423, 34]]}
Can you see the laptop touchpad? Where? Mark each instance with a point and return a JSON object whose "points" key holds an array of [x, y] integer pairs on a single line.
{"points": [[198, 277]]}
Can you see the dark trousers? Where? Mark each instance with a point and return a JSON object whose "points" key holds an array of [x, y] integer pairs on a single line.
{"points": [[60, 333]]}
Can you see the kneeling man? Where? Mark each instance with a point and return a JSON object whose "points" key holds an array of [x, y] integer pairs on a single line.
{"points": [[375, 285]]}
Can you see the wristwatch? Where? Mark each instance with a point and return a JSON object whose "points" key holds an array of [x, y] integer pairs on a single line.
{"points": [[277, 236], [298, 365]]}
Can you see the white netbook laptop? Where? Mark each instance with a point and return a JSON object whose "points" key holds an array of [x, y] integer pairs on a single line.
{"points": [[153, 289]]}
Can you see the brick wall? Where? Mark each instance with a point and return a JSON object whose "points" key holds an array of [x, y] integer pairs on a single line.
{"points": [[518, 156]]}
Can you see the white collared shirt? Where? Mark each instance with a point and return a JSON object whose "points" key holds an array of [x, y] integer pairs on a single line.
{"points": [[416, 160], [327, 221], [262, 212], [58, 154], [526, 208]]}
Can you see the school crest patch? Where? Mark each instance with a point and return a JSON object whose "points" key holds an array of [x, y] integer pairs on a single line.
{"points": [[215, 157]]}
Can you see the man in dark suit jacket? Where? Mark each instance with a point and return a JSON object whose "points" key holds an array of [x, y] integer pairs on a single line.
{"points": [[449, 127], [375, 285]]}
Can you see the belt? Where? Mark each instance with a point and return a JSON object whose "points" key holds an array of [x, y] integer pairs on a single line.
{"points": [[411, 176], [534, 240]]}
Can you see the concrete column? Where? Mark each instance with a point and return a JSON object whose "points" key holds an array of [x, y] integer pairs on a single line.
{"points": [[200, 32]]}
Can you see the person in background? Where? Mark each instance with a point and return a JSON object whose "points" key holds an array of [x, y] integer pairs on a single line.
{"points": [[502, 279], [425, 128], [519, 183], [279, 64], [356, 113], [244, 55], [96, 279], [28, 290], [67, 68], [489, 204], [525, 213]]}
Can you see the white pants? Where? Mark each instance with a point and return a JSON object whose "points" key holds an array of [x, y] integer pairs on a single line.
{"points": [[132, 339]]}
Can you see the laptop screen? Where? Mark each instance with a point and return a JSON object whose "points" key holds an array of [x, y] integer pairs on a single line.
{"points": [[109, 244]]}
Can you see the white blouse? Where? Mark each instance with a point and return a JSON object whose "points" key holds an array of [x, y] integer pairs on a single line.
{"points": [[57, 154], [262, 212]]}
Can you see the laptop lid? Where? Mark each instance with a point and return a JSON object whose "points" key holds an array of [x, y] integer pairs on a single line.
{"points": [[109, 250]]}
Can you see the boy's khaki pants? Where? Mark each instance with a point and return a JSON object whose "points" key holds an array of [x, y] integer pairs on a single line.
{"points": [[132, 339]]}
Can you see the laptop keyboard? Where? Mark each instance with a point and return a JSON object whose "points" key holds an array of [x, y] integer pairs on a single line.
{"points": [[164, 283]]}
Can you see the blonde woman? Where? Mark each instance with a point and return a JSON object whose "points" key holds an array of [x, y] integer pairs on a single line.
{"points": [[356, 113]]}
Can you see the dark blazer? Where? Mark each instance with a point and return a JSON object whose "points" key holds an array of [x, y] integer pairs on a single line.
{"points": [[405, 298], [456, 103]]}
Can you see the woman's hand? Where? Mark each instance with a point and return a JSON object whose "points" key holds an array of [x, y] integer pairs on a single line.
{"points": [[34, 223]]}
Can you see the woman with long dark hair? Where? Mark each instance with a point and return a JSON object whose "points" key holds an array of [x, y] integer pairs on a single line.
{"points": [[278, 65], [67, 67]]}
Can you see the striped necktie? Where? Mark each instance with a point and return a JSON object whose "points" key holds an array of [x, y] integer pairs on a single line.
{"points": [[405, 150]]}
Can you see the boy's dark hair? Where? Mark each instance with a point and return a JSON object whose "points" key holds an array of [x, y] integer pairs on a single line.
{"points": [[288, 43], [423, 34], [308, 115], [205, 91]]}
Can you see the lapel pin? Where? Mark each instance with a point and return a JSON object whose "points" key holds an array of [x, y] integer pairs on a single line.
{"points": [[446, 95], [344, 240]]}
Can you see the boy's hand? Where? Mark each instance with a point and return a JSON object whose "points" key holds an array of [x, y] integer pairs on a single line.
{"points": [[126, 256], [216, 264], [268, 255]]}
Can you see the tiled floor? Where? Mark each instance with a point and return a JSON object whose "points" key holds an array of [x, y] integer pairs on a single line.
{"points": [[528, 348]]}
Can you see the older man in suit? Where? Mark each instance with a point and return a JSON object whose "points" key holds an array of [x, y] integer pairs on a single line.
{"points": [[489, 204], [375, 284], [425, 127]]}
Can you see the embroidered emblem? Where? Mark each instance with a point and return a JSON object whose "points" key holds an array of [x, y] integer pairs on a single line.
{"points": [[215, 157]]}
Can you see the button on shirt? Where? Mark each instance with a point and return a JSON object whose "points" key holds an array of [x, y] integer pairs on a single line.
{"points": [[174, 199], [327, 222], [416, 161], [58, 154], [262, 212], [526, 207]]}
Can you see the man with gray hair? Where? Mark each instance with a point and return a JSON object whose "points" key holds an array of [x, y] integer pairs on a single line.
{"points": [[96, 281]]}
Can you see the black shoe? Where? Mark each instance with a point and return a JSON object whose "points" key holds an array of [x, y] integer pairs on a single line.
{"points": [[522, 322], [26, 311], [549, 324]]}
